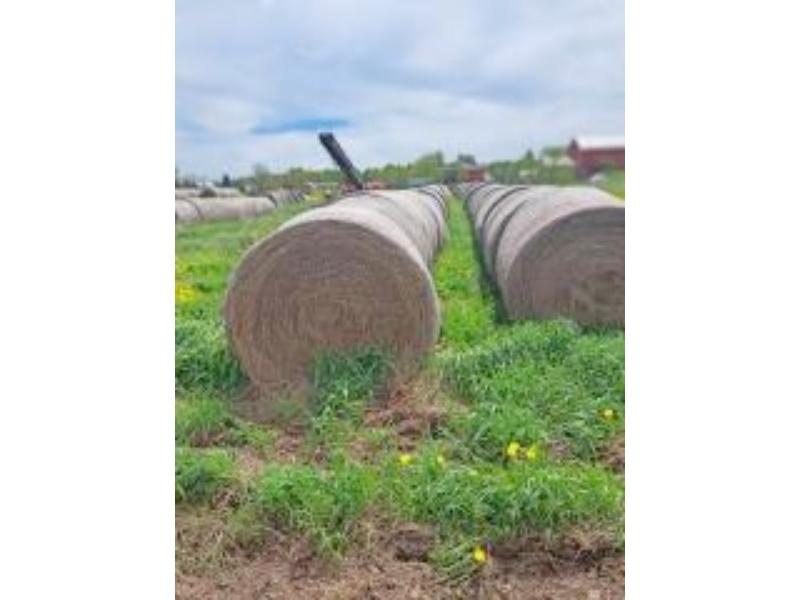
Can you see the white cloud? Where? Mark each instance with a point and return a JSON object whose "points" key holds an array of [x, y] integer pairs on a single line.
{"points": [[462, 76]]}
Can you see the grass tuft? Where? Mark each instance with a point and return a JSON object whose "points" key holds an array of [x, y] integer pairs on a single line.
{"points": [[203, 422], [343, 384], [201, 475]]}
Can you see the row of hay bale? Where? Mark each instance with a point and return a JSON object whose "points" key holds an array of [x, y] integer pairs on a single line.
{"points": [[352, 274], [190, 210], [552, 251], [207, 191], [215, 204]]}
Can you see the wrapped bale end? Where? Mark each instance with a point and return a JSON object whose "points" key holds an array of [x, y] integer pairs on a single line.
{"points": [[332, 279], [564, 255]]}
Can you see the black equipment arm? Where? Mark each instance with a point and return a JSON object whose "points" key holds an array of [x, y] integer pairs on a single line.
{"points": [[341, 159]]}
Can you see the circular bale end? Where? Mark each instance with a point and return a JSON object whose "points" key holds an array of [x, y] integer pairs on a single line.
{"points": [[334, 279], [572, 265]]}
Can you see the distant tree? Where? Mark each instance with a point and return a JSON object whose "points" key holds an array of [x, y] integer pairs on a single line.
{"points": [[553, 151], [261, 178], [467, 159], [432, 158], [226, 180]]}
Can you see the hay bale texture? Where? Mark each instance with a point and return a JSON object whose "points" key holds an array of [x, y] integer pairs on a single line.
{"points": [[187, 192], [186, 210], [284, 196], [552, 251], [348, 275], [191, 210]]}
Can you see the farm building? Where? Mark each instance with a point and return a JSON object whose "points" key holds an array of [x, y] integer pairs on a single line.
{"points": [[475, 174], [591, 154]]}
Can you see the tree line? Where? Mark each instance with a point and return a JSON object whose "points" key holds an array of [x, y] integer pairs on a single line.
{"points": [[548, 166]]}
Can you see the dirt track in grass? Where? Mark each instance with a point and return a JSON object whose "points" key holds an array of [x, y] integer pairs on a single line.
{"points": [[581, 567]]}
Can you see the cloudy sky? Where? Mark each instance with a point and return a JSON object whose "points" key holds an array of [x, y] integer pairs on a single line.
{"points": [[257, 79]]}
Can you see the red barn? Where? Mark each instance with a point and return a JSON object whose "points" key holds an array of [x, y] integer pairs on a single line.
{"points": [[475, 174], [592, 154]]}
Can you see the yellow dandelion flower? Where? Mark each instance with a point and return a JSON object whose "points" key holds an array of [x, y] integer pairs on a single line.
{"points": [[405, 459], [440, 460], [184, 293], [479, 555], [608, 414], [532, 453], [512, 450]]}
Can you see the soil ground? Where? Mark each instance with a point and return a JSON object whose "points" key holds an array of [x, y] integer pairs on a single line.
{"points": [[525, 571]]}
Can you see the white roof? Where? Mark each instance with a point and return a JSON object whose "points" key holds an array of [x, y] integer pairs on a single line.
{"points": [[598, 141]]}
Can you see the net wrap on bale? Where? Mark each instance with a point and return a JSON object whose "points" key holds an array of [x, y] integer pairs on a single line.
{"points": [[352, 274], [552, 251]]}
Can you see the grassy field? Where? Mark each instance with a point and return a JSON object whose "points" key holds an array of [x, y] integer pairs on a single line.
{"points": [[509, 431], [615, 183]]}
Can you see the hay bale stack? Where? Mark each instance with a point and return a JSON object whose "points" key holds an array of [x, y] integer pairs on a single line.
{"points": [[284, 196], [225, 192], [419, 215], [438, 193], [183, 193], [490, 200], [189, 210], [494, 223], [553, 251], [348, 275]]}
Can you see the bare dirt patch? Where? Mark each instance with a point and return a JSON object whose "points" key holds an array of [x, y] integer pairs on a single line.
{"points": [[614, 454], [413, 409], [392, 564]]}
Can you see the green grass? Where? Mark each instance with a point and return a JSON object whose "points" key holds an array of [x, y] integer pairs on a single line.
{"points": [[542, 385], [201, 475], [205, 256], [324, 504], [615, 183], [468, 305], [342, 387], [480, 502], [203, 422]]}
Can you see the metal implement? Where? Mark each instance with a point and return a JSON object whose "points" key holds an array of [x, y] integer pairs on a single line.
{"points": [[346, 166]]}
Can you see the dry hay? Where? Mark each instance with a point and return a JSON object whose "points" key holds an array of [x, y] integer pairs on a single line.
{"points": [[349, 275], [284, 196], [217, 209], [553, 251], [182, 193], [187, 211], [494, 223], [226, 192]]}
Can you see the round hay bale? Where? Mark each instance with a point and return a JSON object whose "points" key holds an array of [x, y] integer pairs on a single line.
{"points": [[186, 211], [281, 197], [495, 222], [183, 193], [224, 192], [334, 278], [563, 254], [476, 193], [419, 215], [220, 209], [492, 198], [438, 193]]}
